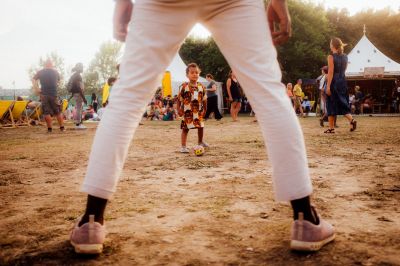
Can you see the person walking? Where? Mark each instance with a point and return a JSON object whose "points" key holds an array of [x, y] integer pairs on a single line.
{"points": [[157, 29], [235, 96], [95, 102], [212, 98], [49, 79], [76, 86], [337, 101], [322, 89]]}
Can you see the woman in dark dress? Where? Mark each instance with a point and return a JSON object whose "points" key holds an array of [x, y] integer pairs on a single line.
{"points": [[235, 96], [337, 102]]}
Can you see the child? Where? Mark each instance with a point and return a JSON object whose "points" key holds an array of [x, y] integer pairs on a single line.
{"points": [[192, 104]]}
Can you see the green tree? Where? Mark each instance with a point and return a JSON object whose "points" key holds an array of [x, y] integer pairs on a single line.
{"points": [[59, 65], [307, 49], [102, 67], [207, 55]]}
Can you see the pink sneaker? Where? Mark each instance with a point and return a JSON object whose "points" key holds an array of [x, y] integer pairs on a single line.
{"points": [[88, 238], [307, 236]]}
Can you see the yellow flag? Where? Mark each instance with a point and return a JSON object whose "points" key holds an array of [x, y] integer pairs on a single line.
{"points": [[106, 92], [166, 84]]}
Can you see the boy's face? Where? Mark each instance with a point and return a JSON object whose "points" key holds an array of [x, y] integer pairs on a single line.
{"points": [[193, 74]]}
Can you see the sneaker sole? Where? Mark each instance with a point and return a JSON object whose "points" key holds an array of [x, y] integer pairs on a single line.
{"points": [[310, 246], [87, 248]]}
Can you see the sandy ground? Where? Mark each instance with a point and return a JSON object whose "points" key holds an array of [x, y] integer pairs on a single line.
{"points": [[176, 209]]}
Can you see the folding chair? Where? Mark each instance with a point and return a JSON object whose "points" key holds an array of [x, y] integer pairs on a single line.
{"points": [[36, 113], [6, 116], [19, 113]]}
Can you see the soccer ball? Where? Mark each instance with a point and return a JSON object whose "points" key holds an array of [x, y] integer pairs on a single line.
{"points": [[198, 150]]}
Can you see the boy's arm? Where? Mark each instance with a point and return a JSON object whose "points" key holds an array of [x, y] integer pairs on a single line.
{"points": [[179, 103]]}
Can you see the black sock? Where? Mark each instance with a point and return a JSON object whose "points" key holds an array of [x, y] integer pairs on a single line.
{"points": [[49, 129], [303, 205], [95, 206], [62, 127], [77, 124]]}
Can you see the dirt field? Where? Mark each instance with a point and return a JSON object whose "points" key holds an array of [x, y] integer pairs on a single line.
{"points": [[175, 209]]}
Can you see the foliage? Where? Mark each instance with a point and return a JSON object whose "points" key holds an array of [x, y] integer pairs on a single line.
{"points": [[102, 67], [207, 55], [307, 50]]}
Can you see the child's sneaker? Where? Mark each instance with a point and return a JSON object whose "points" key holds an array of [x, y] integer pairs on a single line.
{"points": [[307, 236], [184, 150], [88, 238], [80, 127], [204, 144]]}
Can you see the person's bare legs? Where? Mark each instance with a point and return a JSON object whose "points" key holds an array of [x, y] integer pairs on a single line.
{"points": [[49, 121], [60, 120], [184, 136], [233, 111], [200, 134], [238, 106], [331, 121]]}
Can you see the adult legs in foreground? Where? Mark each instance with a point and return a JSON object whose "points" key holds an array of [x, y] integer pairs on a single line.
{"points": [[156, 31], [253, 58]]}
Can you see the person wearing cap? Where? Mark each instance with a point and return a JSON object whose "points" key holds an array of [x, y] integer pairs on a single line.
{"points": [[77, 87], [49, 79]]}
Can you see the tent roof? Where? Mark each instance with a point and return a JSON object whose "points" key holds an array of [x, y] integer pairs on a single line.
{"points": [[177, 68], [365, 54]]}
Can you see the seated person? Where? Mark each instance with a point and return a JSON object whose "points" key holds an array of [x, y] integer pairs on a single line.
{"points": [[366, 106], [100, 112], [306, 105], [89, 113], [150, 111], [169, 114]]}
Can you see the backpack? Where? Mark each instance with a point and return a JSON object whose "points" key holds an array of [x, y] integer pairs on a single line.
{"points": [[70, 85]]}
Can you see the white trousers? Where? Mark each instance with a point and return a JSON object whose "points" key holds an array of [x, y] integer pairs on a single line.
{"points": [[239, 27]]}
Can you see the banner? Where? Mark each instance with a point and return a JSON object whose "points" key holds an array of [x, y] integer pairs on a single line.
{"points": [[374, 72], [166, 84]]}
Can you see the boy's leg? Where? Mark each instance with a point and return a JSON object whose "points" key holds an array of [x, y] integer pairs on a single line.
{"points": [[200, 134], [156, 32], [253, 58], [184, 137]]}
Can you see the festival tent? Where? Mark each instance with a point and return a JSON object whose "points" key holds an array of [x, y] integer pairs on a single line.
{"points": [[366, 61], [373, 71], [177, 72], [177, 68]]}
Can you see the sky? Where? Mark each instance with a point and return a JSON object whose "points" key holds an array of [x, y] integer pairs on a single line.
{"points": [[76, 28]]}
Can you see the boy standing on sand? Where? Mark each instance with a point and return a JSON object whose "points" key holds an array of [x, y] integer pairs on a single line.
{"points": [[192, 104]]}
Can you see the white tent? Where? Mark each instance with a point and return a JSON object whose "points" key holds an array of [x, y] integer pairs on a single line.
{"points": [[366, 56], [177, 68]]}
